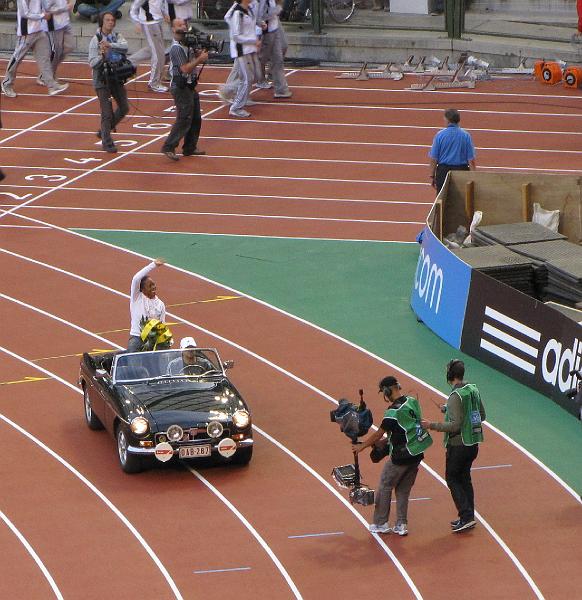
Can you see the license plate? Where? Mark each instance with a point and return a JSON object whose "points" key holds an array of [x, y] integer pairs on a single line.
{"points": [[194, 451]]}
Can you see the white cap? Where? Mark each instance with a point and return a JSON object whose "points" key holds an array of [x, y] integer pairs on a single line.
{"points": [[187, 342]]}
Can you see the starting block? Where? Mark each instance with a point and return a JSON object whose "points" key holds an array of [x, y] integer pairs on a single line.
{"points": [[521, 69], [363, 74]]}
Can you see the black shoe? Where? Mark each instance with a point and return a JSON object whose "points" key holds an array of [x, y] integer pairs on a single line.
{"points": [[463, 526], [98, 134], [118, 15], [196, 152], [111, 149], [170, 154], [455, 522]]}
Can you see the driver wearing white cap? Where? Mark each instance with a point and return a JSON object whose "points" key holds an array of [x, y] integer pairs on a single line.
{"points": [[192, 361]]}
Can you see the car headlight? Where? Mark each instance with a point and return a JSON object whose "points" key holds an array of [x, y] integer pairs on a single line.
{"points": [[175, 433], [139, 425], [241, 419], [214, 429]]}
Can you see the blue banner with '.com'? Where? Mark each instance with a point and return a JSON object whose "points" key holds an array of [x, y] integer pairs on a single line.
{"points": [[440, 289]]}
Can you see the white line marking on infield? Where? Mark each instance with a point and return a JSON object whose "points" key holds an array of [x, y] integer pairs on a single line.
{"points": [[490, 467], [223, 570], [311, 535]]}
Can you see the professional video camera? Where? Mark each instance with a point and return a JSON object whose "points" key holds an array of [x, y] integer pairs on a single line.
{"points": [[119, 72], [354, 421], [576, 392], [202, 41]]}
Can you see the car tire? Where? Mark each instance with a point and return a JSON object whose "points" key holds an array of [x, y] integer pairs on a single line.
{"points": [[243, 456], [92, 420], [128, 462]]}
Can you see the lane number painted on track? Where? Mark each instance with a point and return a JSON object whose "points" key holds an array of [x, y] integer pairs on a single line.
{"points": [[83, 161], [152, 125], [16, 196], [47, 177], [122, 143]]}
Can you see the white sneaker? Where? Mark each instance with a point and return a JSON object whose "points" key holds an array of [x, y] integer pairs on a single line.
{"points": [[263, 85], [385, 528], [160, 89], [39, 80], [239, 113], [400, 529], [58, 89], [286, 94], [8, 90], [250, 102]]}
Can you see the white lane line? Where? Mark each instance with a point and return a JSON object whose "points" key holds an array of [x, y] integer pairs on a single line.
{"points": [[187, 174], [308, 385], [413, 500], [229, 215], [83, 479], [490, 467], [212, 195], [263, 433], [56, 116], [25, 226], [222, 570], [244, 235], [95, 169], [250, 528], [34, 555], [314, 535]]}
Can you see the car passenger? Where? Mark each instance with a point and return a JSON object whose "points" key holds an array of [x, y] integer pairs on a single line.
{"points": [[192, 361]]}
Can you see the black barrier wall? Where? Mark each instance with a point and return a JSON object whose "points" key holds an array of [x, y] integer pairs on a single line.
{"points": [[523, 338]]}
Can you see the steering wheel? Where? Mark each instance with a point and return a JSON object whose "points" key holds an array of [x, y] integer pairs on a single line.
{"points": [[199, 369]]}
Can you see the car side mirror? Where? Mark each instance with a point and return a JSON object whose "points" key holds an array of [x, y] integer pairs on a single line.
{"points": [[100, 374], [228, 364]]}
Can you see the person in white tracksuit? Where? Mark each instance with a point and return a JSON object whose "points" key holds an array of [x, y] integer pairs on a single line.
{"points": [[32, 34], [60, 32], [273, 47]]}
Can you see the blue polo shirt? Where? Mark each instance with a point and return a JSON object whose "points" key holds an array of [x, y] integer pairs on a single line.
{"points": [[452, 146]]}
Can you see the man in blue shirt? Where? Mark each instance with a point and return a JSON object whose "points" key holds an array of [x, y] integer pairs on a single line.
{"points": [[452, 150]]}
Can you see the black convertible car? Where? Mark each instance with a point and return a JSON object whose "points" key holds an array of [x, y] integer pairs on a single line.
{"points": [[166, 403]]}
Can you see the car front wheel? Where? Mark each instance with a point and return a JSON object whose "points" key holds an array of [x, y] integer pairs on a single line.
{"points": [[129, 463], [91, 418], [243, 456]]}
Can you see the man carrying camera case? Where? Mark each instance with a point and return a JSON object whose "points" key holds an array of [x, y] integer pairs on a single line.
{"points": [[107, 51], [184, 62], [408, 441]]}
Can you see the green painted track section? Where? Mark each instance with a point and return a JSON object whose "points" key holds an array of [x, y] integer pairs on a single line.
{"points": [[360, 291]]}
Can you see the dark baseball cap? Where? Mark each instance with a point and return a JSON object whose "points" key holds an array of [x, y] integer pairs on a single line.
{"points": [[387, 382]]}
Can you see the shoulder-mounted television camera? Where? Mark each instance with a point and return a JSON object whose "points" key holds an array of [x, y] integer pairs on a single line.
{"points": [[354, 421], [202, 41], [118, 72]]}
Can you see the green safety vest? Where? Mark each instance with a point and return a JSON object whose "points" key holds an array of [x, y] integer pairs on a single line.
{"points": [[471, 428], [408, 415]]}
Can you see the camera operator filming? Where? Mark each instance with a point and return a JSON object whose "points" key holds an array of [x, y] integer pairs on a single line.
{"points": [[185, 57], [406, 441], [107, 51]]}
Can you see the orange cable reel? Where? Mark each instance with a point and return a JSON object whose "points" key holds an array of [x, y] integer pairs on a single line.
{"points": [[548, 72], [572, 77]]}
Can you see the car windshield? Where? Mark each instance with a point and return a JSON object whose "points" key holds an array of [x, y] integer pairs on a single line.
{"points": [[191, 362]]}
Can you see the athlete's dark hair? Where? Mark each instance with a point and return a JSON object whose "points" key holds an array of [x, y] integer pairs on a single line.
{"points": [[102, 16], [452, 115], [142, 282], [455, 369]]}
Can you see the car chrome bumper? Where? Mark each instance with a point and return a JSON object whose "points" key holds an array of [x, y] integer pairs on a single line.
{"points": [[151, 451]]}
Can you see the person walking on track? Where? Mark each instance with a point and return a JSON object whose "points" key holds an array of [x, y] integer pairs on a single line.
{"points": [[452, 150], [32, 35], [60, 33], [401, 425], [464, 414]]}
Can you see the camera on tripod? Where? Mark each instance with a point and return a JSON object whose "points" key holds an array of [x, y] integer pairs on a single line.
{"points": [[354, 421], [202, 41]]}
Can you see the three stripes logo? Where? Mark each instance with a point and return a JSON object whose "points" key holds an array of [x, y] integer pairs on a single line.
{"points": [[510, 340]]}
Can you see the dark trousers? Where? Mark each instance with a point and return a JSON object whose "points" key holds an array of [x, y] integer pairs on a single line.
{"points": [[441, 173], [188, 121], [109, 118], [458, 476]]}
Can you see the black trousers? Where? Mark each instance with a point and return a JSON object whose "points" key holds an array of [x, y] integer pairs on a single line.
{"points": [[188, 121], [441, 173], [458, 476], [109, 118]]}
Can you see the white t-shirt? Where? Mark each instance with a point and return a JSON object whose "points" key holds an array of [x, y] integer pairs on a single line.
{"points": [[141, 306]]}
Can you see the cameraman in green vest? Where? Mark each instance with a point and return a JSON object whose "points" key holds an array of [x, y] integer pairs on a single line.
{"points": [[406, 441], [464, 414]]}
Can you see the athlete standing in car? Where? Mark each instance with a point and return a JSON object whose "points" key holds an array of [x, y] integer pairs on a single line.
{"points": [[144, 304]]}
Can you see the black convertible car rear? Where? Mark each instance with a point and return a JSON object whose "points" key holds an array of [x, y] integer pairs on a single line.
{"points": [[166, 403]]}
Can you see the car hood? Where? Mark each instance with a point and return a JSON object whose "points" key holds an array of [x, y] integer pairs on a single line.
{"points": [[186, 402]]}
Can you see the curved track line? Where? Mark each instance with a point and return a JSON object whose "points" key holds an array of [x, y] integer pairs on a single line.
{"points": [[275, 442], [251, 529], [515, 444], [84, 480], [34, 555], [296, 378]]}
